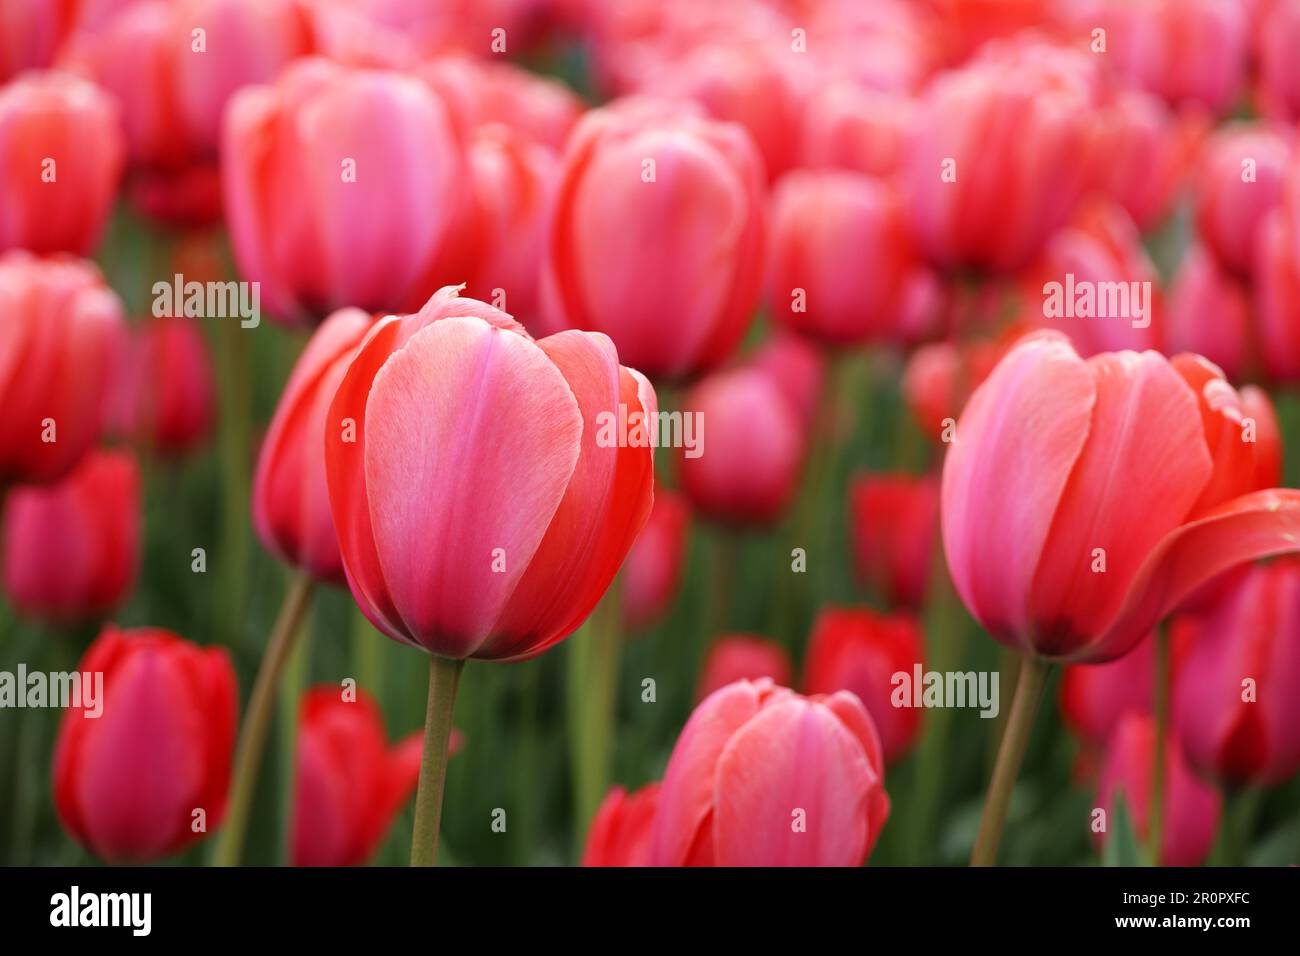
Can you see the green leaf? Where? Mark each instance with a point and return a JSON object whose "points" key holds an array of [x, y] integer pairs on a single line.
{"points": [[1121, 847]]}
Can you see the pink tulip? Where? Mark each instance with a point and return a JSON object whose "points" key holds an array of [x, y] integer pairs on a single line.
{"points": [[839, 256], [1125, 461], [1277, 297], [795, 366], [1279, 37], [1238, 182], [1096, 697], [166, 396], [31, 32], [750, 446], [734, 657], [61, 155], [652, 572], [61, 336], [1191, 807], [344, 187], [1236, 701], [762, 776], [507, 508], [895, 520], [290, 498], [657, 238], [72, 549], [860, 651], [1208, 312], [621, 830], [852, 127]]}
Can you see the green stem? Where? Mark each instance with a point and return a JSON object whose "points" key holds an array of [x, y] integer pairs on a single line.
{"points": [[593, 676], [293, 685], [1160, 703], [257, 719], [444, 675], [1029, 691], [235, 441]]}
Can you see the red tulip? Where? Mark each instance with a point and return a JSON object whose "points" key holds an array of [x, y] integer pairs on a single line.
{"points": [[733, 478], [939, 377], [166, 396], [350, 784], [657, 237], [1238, 182], [72, 549], [343, 187], [860, 651], [850, 126], [1062, 467], [290, 498], [1278, 39], [839, 256], [506, 510], [31, 32], [61, 332], [148, 777], [734, 657], [895, 522], [1236, 702], [1096, 697], [1191, 808], [621, 830], [1208, 313], [174, 67], [762, 776], [1002, 150], [653, 569], [797, 368], [61, 155], [1277, 297]]}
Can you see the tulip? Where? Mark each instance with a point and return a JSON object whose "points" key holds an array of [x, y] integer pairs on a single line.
{"points": [[895, 521], [797, 368], [1238, 182], [1277, 297], [1082, 501], [359, 206], [849, 126], [1278, 37], [1095, 697], [60, 340], [653, 569], [349, 783], [71, 550], [31, 32], [620, 832], [146, 777], [762, 776], [839, 256], [734, 657], [1236, 703], [657, 236], [860, 651], [61, 153], [1190, 808], [174, 67], [1208, 313], [481, 505], [1001, 153], [166, 395]]}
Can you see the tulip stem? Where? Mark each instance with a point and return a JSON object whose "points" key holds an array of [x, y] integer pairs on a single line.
{"points": [[444, 675], [257, 719], [235, 440], [1160, 703], [1015, 737]]}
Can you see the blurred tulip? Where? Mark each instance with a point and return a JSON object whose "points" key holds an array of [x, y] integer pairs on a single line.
{"points": [[621, 830], [1236, 701], [1239, 180], [653, 569], [166, 397], [1096, 697], [849, 126], [61, 156], [173, 67], [1002, 151], [657, 238], [343, 187], [895, 520], [762, 776], [1277, 297], [61, 335], [1208, 313], [797, 368], [1279, 38], [290, 497], [939, 377], [839, 256], [734, 657], [750, 448], [135, 782], [506, 514], [1125, 462], [349, 783], [72, 549], [860, 651], [31, 32], [1191, 807]]}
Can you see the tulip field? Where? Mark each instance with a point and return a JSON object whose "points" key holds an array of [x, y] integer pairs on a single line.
{"points": [[649, 433]]}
